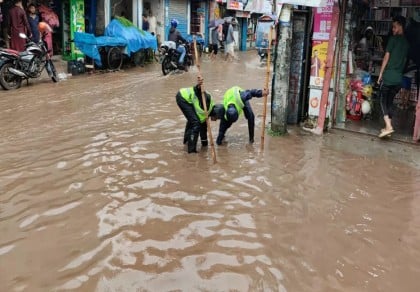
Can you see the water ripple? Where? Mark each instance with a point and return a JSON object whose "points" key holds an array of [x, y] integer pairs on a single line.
{"points": [[97, 193]]}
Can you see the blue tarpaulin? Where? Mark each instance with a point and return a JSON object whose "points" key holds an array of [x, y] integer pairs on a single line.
{"points": [[89, 44], [190, 39], [135, 38], [116, 35]]}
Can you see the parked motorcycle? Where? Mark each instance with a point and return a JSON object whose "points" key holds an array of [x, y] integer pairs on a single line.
{"points": [[171, 57], [263, 53], [264, 29], [16, 66]]}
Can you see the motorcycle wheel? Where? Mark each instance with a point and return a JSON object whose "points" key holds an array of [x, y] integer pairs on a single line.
{"points": [[200, 49], [114, 58], [52, 72], [189, 61], [166, 66], [8, 80]]}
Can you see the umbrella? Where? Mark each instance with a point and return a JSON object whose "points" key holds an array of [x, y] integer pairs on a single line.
{"points": [[216, 22], [49, 16]]}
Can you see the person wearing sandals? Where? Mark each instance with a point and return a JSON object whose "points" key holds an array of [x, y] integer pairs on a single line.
{"points": [[391, 73]]}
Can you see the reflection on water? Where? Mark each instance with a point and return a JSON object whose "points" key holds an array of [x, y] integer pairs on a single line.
{"points": [[97, 193]]}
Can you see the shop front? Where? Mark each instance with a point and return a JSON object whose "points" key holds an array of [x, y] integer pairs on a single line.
{"points": [[180, 10], [358, 105], [93, 16], [73, 20], [352, 101], [254, 10], [199, 19]]}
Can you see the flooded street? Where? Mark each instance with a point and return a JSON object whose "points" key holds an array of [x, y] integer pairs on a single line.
{"points": [[98, 193]]}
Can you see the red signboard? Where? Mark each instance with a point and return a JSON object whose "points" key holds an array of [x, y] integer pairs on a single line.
{"points": [[235, 5], [322, 21]]}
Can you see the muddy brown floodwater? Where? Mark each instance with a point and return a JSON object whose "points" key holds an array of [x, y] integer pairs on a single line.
{"points": [[97, 193]]}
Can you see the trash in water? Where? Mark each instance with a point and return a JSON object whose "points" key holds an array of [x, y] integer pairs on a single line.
{"points": [[62, 76]]}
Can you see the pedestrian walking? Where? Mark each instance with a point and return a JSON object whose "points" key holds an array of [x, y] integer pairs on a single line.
{"points": [[18, 23], [391, 73], [190, 102], [235, 102], [229, 40], [214, 42]]}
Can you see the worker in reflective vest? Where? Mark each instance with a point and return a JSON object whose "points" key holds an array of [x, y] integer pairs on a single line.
{"points": [[235, 102], [190, 102]]}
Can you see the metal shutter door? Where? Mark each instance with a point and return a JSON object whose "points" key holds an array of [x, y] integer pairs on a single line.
{"points": [[179, 9]]}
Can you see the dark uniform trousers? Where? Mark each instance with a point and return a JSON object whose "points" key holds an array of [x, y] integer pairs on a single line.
{"points": [[193, 127]]}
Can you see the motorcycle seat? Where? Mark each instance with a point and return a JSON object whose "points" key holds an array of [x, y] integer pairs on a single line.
{"points": [[10, 51]]}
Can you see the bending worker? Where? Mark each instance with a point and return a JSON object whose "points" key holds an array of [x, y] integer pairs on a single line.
{"points": [[190, 102], [235, 101]]}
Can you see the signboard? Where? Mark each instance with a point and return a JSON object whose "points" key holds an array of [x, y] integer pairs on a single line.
{"points": [[315, 100], [322, 21], [259, 6], [243, 14], [77, 24], [235, 5], [311, 3], [318, 61]]}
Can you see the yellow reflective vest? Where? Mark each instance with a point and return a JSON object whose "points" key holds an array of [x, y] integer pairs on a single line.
{"points": [[233, 96], [190, 97]]}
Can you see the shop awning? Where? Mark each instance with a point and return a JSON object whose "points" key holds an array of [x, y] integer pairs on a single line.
{"points": [[258, 6], [265, 6]]}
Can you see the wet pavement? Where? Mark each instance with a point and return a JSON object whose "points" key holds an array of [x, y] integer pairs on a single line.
{"points": [[97, 193]]}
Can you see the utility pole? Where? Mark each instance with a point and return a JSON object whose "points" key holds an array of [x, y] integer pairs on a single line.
{"points": [[281, 72], [341, 101]]}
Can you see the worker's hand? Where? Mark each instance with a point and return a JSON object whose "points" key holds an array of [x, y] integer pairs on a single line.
{"points": [[379, 79], [266, 92]]}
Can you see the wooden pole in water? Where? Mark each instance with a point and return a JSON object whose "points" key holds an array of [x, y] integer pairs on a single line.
{"points": [[267, 80], [203, 98]]}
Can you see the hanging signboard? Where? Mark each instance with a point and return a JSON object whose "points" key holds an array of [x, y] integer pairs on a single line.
{"points": [[318, 60], [315, 101], [322, 21], [243, 14], [77, 24], [235, 5], [311, 3], [259, 6]]}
